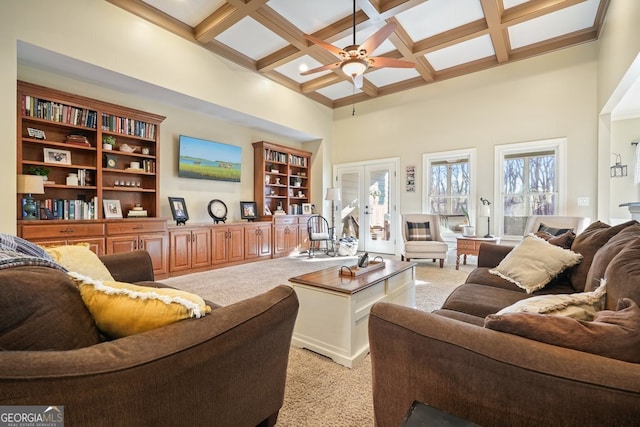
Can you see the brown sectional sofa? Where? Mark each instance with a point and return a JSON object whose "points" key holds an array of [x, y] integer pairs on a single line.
{"points": [[227, 368], [450, 360]]}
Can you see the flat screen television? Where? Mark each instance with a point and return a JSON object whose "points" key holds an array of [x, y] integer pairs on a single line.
{"points": [[202, 159]]}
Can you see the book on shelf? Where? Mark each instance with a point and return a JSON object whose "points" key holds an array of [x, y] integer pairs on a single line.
{"points": [[58, 112], [137, 213], [67, 209]]}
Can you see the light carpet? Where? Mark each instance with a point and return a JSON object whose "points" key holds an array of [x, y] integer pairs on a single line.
{"points": [[318, 391]]}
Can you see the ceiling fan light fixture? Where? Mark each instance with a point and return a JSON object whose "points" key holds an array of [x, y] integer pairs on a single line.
{"points": [[354, 67]]}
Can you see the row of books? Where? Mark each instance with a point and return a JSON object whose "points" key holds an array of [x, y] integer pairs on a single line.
{"points": [[149, 166], [128, 126], [65, 209], [57, 112], [295, 209], [297, 161], [275, 156]]}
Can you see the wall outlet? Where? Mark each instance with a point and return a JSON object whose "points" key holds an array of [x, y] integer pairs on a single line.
{"points": [[583, 201]]}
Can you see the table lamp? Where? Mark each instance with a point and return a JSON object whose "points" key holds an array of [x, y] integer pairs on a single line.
{"points": [[485, 210], [333, 194], [30, 184]]}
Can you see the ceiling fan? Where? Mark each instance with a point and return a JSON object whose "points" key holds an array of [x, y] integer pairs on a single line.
{"points": [[354, 59]]}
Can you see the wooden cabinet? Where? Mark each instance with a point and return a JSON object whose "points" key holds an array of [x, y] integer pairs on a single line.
{"points": [[290, 234], [257, 240], [190, 249], [281, 178], [227, 244], [53, 233], [285, 235], [149, 235], [63, 133]]}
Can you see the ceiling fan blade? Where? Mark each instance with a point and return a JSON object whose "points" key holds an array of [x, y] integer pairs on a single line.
{"points": [[358, 81], [331, 48], [322, 68], [381, 61], [377, 38]]}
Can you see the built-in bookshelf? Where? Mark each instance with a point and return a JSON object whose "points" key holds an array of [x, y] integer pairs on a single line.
{"points": [[63, 133], [282, 179]]}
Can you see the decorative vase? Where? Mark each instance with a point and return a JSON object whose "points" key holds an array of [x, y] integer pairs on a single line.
{"points": [[106, 146], [468, 230]]}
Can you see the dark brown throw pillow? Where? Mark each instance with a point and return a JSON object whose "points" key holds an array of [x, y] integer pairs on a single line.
{"points": [[587, 244], [623, 275], [41, 309], [614, 334], [607, 252]]}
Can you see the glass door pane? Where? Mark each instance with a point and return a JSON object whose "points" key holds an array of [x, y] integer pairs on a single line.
{"points": [[378, 212]]}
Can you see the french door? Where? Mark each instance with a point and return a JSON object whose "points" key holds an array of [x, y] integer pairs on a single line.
{"points": [[368, 209]]}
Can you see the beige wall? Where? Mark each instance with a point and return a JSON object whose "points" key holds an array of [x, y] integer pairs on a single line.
{"points": [[544, 97], [623, 190], [108, 37], [619, 45]]}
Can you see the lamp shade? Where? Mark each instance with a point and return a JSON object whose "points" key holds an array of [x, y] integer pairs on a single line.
{"points": [[30, 184], [354, 67], [333, 194], [485, 210]]}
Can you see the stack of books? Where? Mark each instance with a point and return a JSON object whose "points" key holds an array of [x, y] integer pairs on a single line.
{"points": [[137, 212]]}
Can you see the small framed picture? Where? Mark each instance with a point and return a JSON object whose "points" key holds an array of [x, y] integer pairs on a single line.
{"points": [[112, 208], [267, 211], [307, 209], [36, 133], [291, 192], [248, 210], [61, 157], [179, 210]]}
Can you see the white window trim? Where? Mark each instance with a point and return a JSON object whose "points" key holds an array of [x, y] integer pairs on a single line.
{"points": [[429, 158], [559, 145]]}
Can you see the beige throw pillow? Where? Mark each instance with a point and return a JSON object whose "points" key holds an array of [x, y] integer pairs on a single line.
{"points": [[581, 306], [534, 262]]}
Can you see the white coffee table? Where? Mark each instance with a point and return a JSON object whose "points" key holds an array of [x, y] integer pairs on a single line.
{"points": [[334, 310]]}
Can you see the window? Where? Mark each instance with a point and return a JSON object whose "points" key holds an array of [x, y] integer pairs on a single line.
{"points": [[449, 192], [448, 187], [531, 182]]}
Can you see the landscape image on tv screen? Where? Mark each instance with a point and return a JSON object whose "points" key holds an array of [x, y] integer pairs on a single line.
{"points": [[202, 159]]}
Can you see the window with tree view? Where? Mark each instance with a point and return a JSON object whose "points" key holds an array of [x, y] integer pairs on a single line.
{"points": [[449, 189], [530, 187]]}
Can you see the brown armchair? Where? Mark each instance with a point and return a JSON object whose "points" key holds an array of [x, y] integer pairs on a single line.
{"points": [[228, 368]]}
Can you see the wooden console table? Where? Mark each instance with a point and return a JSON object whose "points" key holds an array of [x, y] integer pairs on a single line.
{"points": [[470, 246], [333, 319]]}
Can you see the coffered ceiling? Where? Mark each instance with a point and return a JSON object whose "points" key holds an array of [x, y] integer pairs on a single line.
{"points": [[444, 38]]}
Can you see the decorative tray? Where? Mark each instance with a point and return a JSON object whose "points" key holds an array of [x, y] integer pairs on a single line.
{"points": [[355, 271]]}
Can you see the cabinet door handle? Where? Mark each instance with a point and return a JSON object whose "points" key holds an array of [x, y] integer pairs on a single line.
{"points": [[141, 246], [68, 230]]}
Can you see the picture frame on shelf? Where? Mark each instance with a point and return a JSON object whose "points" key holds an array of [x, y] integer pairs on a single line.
{"points": [[179, 210], [267, 211], [55, 156], [112, 208], [307, 209], [36, 133], [248, 210], [291, 192]]}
